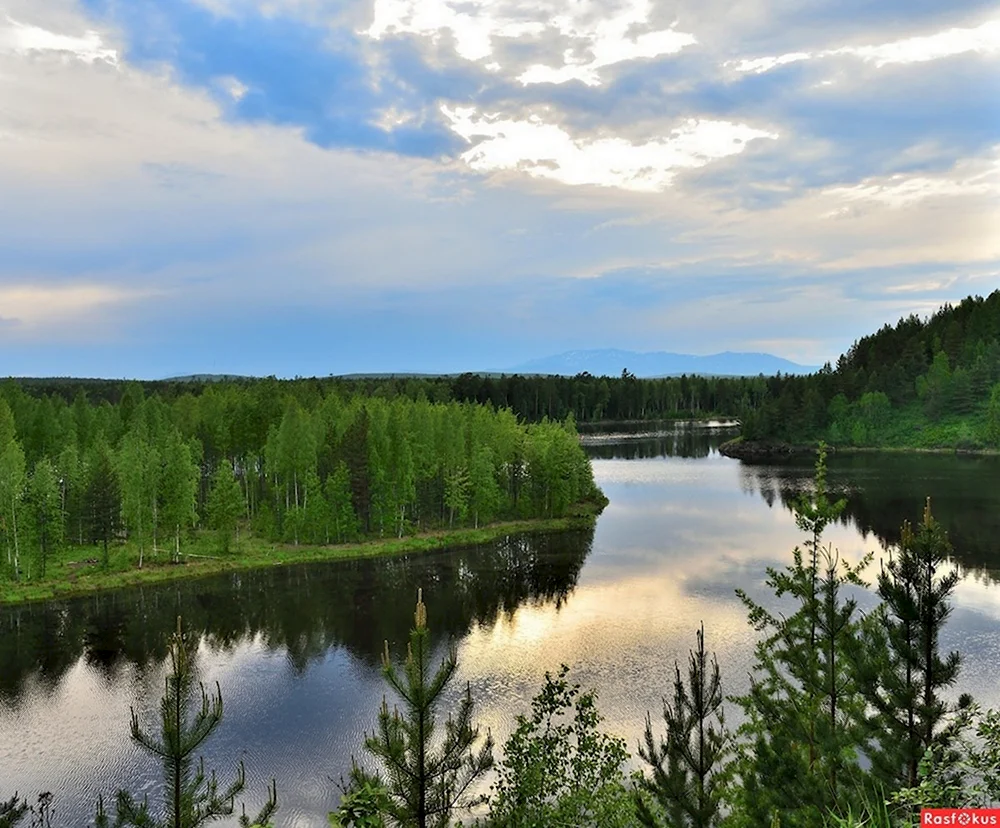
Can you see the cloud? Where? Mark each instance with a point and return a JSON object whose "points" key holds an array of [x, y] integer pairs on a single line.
{"points": [[983, 39], [51, 308], [597, 35], [26, 40], [549, 151]]}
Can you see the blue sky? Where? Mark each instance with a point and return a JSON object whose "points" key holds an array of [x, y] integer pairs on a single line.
{"points": [[335, 186]]}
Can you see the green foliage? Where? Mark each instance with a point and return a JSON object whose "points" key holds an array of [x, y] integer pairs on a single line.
{"points": [[45, 510], [103, 499], [800, 743], [688, 780], [991, 431], [424, 783], [190, 798], [901, 670], [559, 769], [13, 810], [361, 807], [225, 504], [965, 776]]}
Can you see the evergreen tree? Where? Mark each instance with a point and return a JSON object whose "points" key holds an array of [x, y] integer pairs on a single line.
{"points": [[425, 784], [12, 811], [103, 500], [687, 766], [45, 510], [802, 734], [899, 662], [190, 798], [225, 504]]}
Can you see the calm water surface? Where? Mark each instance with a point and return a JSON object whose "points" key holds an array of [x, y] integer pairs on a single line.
{"points": [[295, 649]]}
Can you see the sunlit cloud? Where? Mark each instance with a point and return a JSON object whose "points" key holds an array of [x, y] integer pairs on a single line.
{"points": [[983, 39], [599, 36], [22, 39], [34, 306], [548, 151], [899, 191]]}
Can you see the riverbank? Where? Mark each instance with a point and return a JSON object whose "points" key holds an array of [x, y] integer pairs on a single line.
{"points": [[77, 570], [741, 449]]}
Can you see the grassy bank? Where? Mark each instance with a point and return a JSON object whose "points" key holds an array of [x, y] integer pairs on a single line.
{"points": [[78, 570]]}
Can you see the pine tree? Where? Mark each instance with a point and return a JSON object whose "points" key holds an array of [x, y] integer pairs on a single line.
{"points": [[803, 708], [190, 798], [425, 785], [12, 811], [899, 662], [687, 766]]}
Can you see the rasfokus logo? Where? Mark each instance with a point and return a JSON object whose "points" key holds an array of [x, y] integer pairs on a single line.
{"points": [[960, 816]]}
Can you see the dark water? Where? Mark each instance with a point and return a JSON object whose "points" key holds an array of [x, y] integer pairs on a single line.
{"points": [[295, 649]]}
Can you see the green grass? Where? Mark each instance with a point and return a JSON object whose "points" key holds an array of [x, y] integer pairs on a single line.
{"points": [[78, 570]]}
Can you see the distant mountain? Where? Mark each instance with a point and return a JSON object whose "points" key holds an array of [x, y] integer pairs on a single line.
{"points": [[611, 362]]}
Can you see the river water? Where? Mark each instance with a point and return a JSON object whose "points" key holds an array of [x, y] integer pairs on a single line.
{"points": [[295, 649]]}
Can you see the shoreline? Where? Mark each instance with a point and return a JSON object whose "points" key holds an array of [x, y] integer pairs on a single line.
{"points": [[259, 555], [740, 449]]}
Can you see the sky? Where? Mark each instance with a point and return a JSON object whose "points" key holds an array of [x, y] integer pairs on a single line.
{"points": [[313, 187]]}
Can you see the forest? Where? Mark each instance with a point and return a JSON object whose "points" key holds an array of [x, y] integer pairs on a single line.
{"points": [[931, 382], [290, 463]]}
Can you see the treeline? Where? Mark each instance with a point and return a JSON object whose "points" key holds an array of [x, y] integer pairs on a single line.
{"points": [[293, 462], [590, 399], [936, 371]]}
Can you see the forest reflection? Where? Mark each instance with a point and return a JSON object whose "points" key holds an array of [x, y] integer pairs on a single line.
{"points": [[304, 610]]}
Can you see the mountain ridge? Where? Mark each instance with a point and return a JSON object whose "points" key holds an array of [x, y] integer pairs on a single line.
{"points": [[651, 364]]}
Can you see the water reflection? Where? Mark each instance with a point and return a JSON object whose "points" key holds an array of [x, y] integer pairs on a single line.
{"points": [[303, 611], [883, 490]]}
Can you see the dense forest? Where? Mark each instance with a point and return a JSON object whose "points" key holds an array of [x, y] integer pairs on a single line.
{"points": [[925, 382], [291, 462]]}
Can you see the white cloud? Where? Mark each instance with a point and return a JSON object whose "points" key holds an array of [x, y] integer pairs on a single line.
{"points": [[898, 191], [600, 36], [22, 39], [765, 64], [548, 151], [983, 39]]}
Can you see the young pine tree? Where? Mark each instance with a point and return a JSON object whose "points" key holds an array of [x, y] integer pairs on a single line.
{"points": [[688, 774], [190, 798], [803, 730], [424, 784], [900, 664], [12, 811]]}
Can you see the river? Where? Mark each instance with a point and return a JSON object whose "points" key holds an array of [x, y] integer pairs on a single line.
{"points": [[295, 649]]}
